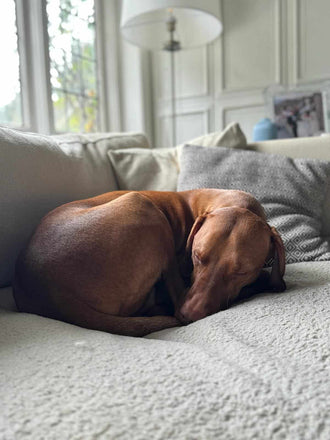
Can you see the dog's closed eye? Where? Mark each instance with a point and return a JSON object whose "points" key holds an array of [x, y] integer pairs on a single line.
{"points": [[199, 258]]}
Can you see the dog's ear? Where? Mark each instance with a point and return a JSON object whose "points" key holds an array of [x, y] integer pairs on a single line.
{"points": [[187, 265], [276, 282], [195, 228], [272, 281]]}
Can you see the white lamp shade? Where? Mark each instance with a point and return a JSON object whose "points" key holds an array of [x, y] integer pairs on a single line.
{"points": [[143, 22]]}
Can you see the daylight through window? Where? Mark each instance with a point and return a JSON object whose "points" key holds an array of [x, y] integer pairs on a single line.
{"points": [[73, 69], [10, 87]]}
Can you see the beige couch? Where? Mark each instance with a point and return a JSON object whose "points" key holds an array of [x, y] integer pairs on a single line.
{"points": [[256, 371]]}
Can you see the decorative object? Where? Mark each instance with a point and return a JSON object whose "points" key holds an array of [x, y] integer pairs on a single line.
{"points": [[299, 112], [171, 25], [264, 130]]}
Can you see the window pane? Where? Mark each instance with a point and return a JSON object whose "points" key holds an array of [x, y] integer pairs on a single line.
{"points": [[73, 69], [59, 104], [10, 89]]}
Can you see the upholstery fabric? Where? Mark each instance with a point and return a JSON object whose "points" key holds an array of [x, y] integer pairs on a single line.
{"points": [[292, 191], [259, 370], [39, 173]]}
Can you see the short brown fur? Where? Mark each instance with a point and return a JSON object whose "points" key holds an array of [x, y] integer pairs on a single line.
{"points": [[95, 262]]}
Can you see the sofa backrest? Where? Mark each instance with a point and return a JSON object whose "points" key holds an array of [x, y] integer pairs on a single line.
{"points": [[317, 147], [39, 173]]}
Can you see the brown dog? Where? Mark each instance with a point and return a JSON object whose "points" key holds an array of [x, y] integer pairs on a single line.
{"points": [[126, 262]]}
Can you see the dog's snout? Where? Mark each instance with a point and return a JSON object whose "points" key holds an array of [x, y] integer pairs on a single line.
{"points": [[191, 313], [182, 318]]}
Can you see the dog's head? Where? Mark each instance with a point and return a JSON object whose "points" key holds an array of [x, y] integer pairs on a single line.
{"points": [[228, 248]]}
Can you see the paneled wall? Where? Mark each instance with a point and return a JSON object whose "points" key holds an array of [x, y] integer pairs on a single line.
{"points": [[264, 43]]}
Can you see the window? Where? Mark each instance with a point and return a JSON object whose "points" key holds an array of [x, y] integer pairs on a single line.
{"points": [[56, 74], [10, 87], [73, 68]]}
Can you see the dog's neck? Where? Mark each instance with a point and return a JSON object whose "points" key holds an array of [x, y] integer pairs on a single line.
{"points": [[204, 201], [207, 200], [178, 214]]}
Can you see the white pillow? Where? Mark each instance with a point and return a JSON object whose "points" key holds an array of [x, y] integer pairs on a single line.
{"points": [[231, 137], [141, 169], [157, 169]]}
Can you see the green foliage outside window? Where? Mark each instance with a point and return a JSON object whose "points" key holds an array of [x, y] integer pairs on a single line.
{"points": [[10, 87], [73, 66]]}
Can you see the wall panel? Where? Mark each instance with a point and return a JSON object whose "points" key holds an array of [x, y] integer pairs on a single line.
{"points": [[251, 43], [313, 38], [264, 43], [188, 126]]}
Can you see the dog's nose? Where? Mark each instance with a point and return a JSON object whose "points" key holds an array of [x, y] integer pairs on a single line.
{"points": [[182, 318], [191, 314]]}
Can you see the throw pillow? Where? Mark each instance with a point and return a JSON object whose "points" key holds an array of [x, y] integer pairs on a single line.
{"points": [[232, 137], [158, 168], [142, 169], [292, 191]]}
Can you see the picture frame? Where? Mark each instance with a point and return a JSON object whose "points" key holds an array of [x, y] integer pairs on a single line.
{"points": [[299, 112]]}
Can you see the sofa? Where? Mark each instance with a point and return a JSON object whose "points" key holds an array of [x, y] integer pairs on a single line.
{"points": [[259, 370]]}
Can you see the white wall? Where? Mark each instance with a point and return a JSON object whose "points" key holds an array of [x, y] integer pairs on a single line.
{"points": [[264, 43]]}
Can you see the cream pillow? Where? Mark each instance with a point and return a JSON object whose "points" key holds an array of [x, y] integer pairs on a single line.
{"points": [[141, 169], [158, 168], [231, 137]]}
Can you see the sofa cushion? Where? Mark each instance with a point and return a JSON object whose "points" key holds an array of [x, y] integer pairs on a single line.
{"points": [[292, 191], [158, 168], [39, 173], [232, 137], [142, 169], [259, 370]]}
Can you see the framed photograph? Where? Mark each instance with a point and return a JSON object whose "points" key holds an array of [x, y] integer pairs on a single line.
{"points": [[299, 114]]}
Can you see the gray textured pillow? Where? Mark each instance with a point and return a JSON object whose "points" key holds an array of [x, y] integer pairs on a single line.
{"points": [[292, 191]]}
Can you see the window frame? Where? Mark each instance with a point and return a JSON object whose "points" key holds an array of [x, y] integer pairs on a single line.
{"points": [[33, 48]]}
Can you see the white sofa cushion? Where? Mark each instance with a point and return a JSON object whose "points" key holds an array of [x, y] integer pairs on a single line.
{"points": [[158, 168], [38, 173], [259, 370]]}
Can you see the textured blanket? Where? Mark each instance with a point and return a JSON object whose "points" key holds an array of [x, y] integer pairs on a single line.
{"points": [[259, 370]]}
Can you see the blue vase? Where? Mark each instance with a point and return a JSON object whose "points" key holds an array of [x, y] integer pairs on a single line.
{"points": [[264, 130]]}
